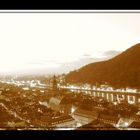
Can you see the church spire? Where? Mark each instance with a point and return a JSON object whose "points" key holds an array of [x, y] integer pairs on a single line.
{"points": [[54, 83]]}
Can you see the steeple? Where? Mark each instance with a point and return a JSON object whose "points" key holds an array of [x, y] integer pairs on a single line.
{"points": [[54, 86]]}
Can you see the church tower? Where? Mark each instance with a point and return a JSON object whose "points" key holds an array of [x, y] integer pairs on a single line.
{"points": [[54, 86]]}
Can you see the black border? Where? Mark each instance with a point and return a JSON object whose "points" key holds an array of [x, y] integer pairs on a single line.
{"points": [[70, 135], [69, 5]]}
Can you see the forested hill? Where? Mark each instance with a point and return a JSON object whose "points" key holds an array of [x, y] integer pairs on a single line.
{"points": [[120, 71]]}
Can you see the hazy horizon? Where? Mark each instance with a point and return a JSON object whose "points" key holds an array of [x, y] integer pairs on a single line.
{"points": [[59, 42]]}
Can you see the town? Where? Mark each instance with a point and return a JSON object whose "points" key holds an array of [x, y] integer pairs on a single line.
{"points": [[52, 104]]}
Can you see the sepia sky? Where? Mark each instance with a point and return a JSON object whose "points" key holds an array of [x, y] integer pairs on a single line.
{"points": [[37, 42]]}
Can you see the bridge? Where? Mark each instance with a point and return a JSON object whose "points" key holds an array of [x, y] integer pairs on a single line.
{"points": [[110, 96]]}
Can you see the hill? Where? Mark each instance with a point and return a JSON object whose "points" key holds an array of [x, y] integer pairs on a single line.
{"points": [[120, 71]]}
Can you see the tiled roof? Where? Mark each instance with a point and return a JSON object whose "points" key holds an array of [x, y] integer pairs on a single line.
{"points": [[108, 117], [56, 100], [62, 119], [135, 124], [85, 113], [59, 99], [97, 125]]}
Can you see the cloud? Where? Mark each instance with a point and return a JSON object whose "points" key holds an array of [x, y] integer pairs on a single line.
{"points": [[111, 53], [86, 55]]}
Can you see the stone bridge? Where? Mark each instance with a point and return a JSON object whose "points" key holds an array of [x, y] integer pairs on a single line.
{"points": [[111, 96]]}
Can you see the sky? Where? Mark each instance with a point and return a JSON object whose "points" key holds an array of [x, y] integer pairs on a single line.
{"points": [[60, 42]]}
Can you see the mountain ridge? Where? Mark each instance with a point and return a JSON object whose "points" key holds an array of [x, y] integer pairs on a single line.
{"points": [[122, 70]]}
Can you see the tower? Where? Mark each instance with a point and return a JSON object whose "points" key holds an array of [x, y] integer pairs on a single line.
{"points": [[54, 86]]}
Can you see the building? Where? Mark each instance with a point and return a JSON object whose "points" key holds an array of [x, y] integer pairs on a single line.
{"points": [[135, 125], [83, 116], [109, 119], [61, 103], [87, 112], [63, 122], [97, 125]]}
